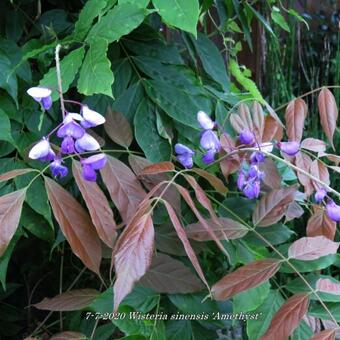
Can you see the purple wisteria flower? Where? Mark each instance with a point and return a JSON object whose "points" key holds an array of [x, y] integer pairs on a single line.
{"points": [[57, 169], [86, 143], [90, 118], [246, 137], [91, 164], [333, 211], [209, 139], [320, 195], [184, 155], [42, 151], [257, 157], [41, 95], [289, 148], [205, 121], [69, 131], [252, 188]]}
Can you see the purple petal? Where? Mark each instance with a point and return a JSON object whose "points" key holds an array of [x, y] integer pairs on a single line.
{"points": [[57, 169], [96, 161], [241, 179], [186, 160], [49, 157], [253, 171], [181, 149], [320, 195], [86, 143], [246, 137], [71, 129], [47, 102], [209, 156], [333, 211], [92, 117], [257, 157], [289, 148], [205, 121], [252, 189], [88, 173], [67, 145], [209, 140], [38, 93], [86, 125], [40, 150]]}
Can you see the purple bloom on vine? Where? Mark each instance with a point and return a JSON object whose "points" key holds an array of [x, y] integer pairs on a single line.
{"points": [[257, 157], [246, 137], [205, 121], [42, 151], [210, 141], [91, 164], [252, 189], [209, 156], [86, 143], [289, 148], [57, 169], [241, 180], [91, 118], [333, 211], [320, 195], [70, 128], [184, 155], [41, 95], [67, 145]]}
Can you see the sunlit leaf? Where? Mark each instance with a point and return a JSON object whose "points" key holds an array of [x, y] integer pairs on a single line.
{"points": [[296, 113]]}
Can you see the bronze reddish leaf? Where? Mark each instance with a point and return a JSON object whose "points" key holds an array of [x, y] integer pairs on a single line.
{"points": [[273, 206], [327, 334], [99, 208], [313, 144], [226, 229], [184, 239], [319, 224], [69, 336], [10, 211], [118, 128], [167, 275], [320, 171], [124, 188], [245, 277], [157, 168], [72, 300], [296, 113], [214, 181], [287, 318], [133, 255], [328, 286], [328, 113], [258, 120], [14, 173], [75, 224]]}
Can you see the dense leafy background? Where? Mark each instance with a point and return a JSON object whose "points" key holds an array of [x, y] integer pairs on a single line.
{"points": [[149, 67]]}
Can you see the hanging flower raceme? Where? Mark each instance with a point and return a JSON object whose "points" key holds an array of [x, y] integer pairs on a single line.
{"points": [[91, 164], [184, 155], [209, 139], [75, 139], [41, 95]]}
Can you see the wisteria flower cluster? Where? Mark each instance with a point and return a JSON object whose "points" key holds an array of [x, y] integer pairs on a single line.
{"points": [[250, 175], [75, 139]]}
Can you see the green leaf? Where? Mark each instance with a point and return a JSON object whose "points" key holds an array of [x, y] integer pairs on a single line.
{"points": [[95, 74], [262, 20], [5, 128], [280, 20], [275, 234], [320, 312], [250, 299], [156, 149], [8, 80], [302, 332], [257, 327], [138, 3], [212, 60], [182, 14], [178, 329], [176, 103], [89, 12], [69, 67], [119, 21], [297, 286]]}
